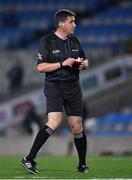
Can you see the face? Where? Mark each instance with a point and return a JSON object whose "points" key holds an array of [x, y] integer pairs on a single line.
{"points": [[69, 25]]}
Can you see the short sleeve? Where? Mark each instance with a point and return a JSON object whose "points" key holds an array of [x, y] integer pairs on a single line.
{"points": [[82, 54], [81, 51], [42, 55]]}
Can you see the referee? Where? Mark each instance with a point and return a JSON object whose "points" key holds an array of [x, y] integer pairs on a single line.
{"points": [[61, 58]]}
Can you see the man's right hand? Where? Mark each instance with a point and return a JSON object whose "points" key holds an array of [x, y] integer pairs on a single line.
{"points": [[68, 62]]}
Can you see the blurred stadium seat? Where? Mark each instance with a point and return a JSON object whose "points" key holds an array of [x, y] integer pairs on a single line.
{"points": [[107, 29], [113, 124]]}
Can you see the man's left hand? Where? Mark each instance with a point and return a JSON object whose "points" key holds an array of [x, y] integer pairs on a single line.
{"points": [[84, 64]]}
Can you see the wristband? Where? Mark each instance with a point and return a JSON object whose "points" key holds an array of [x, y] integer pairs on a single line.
{"points": [[61, 64]]}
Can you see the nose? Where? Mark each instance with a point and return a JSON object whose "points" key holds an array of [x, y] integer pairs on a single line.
{"points": [[74, 25]]}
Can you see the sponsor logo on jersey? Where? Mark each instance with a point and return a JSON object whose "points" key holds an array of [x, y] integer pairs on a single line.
{"points": [[75, 50], [55, 51]]}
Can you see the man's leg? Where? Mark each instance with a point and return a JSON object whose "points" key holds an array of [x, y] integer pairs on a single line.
{"points": [[54, 121], [80, 141]]}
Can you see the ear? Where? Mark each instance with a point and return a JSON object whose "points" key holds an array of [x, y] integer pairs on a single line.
{"points": [[61, 23]]}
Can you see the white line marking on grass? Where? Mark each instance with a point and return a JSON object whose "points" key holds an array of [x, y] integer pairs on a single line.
{"points": [[34, 177], [22, 177]]}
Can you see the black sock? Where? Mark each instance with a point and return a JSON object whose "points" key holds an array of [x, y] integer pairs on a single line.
{"points": [[81, 146], [40, 139]]}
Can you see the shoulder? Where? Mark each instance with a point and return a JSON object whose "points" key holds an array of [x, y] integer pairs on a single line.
{"points": [[48, 37]]}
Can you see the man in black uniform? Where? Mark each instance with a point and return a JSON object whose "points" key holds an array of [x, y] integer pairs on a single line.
{"points": [[61, 57]]}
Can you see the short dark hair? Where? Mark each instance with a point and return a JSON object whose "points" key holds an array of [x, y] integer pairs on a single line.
{"points": [[62, 14]]}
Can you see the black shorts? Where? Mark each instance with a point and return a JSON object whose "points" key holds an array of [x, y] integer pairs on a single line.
{"points": [[67, 95]]}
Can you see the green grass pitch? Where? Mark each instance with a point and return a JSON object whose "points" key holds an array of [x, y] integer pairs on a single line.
{"points": [[64, 167]]}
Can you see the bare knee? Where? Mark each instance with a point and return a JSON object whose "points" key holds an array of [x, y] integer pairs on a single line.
{"points": [[54, 120], [75, 124], [76, 128]]}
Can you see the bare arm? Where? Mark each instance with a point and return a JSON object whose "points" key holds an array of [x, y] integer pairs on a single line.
{"points": [[49, 67]]}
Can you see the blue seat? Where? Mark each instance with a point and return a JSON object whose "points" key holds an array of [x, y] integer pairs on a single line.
{"points": [[113, 124], [14, 36], [27, 16]]}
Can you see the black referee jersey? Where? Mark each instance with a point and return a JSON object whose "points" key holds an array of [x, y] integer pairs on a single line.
{"points": [[53, 49]]}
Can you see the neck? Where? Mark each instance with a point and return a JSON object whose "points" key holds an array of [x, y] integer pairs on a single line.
{"points": [[61, 34]]}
